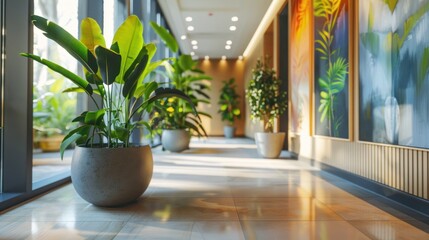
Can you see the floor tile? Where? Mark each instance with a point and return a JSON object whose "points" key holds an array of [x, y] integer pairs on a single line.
{"points": [[386, 230], [283, 209], [184, 209], [301, 230], [213, 230]]}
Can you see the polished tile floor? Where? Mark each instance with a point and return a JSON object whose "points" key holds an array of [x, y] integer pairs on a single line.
{"points": [[220, 190]]}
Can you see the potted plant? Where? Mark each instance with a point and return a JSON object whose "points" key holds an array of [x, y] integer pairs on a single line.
{"points": [[108, 170], [52, 113], [266, 104], [174, 118], [228, 106]]}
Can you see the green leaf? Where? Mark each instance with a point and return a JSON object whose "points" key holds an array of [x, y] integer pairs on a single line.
{"points": [[131, 82], [72, 137], [109, 63], [324, 95], [129, 38], [94, 117], [186, 62], [78, 90], [72, 45], [391, 4], [423, 68], [80, 82], [165, 36], [91, 35]]}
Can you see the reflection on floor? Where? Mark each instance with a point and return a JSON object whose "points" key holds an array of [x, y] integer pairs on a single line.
{"points": [[220, 189]]}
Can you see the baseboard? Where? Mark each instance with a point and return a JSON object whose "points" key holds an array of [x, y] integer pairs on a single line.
{"points": [[421, 206]]}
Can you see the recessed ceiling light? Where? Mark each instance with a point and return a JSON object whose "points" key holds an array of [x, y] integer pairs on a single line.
{"points": [[229, 42], [231, 28], [188, 19], [224, 57], [227, 47], [206, 57], [183, 37], [240, 57], [192, 53], [190, 28], [195, 47], [194, 42], [234, 19]]}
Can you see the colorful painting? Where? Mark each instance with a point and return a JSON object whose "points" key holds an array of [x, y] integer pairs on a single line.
{"points": [[331, 68], [394, 72], [300, 53]]}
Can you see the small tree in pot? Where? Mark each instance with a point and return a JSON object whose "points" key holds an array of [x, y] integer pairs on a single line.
{"points": [[108, 170], [229, 106], [266, 103]]}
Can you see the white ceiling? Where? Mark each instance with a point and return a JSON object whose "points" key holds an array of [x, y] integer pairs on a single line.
{"points": [[211, 20]]}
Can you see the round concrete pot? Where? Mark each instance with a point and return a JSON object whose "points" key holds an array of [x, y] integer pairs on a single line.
{"points": [[111, 176], [229, 131], [176, 140], [269, 145]]}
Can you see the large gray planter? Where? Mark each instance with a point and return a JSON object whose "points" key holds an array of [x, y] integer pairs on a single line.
{"points": [[111, 176], [229, 131], [176, 140], [269, 145]]}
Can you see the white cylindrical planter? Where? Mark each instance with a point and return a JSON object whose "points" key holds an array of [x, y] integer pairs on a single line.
{"points": [[111, 176], [176, 140], [269, 145], [229, 131]]}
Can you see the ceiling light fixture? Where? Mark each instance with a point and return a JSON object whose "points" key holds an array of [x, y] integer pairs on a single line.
{"points": [[240, 57], [183, 37], [195, 47], [194, 42], [227, 47], [232, 28], [188, 19], [229, 42], [223, 57], [234, 19], [206, 57], [190, 28]]}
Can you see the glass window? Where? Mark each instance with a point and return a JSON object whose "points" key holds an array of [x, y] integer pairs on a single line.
{"points": [[53, 110], [1, 89]]}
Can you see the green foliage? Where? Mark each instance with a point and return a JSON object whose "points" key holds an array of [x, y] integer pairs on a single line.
{"points": [[117, 74], [333, 82], [176, 113], [392, 4], [264, 96], [228, 102], [424, 68]]}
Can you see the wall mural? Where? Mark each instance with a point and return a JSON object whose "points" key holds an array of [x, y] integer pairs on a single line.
{"points": [[331, 67], [394, 72], [300, 33]]}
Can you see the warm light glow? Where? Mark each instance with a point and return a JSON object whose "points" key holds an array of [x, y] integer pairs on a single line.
{"points": [[183, 37], [224, 57], [234, 19], [227, 47], [274, 7], [190, 28], [229, 42], [188, 19], [232, 28], [240, 57], [192, 53], [195, 47], [206, 57], [194, 42]]}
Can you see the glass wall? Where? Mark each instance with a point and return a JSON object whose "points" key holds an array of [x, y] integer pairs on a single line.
{"points": [[1, 89], [53, 110]]}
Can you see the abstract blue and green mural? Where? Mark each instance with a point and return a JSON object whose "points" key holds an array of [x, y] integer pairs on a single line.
{"points": [[393, 72], [331, 68]]}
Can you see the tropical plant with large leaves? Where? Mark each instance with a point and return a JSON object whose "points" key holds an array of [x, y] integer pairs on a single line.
{"points": [[183, 75], [116, 74], [334, 80], [228, 102]]}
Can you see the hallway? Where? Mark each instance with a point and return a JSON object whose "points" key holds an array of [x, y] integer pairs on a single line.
{"points": [[220, 189]]}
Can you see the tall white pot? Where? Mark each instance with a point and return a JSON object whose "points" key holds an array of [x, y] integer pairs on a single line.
{"points": [[269, 145], [176, 140], [111, 176]]}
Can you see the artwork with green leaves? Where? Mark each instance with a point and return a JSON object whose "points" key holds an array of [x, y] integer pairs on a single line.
{"points": [[331, 68], [394, 72]]}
